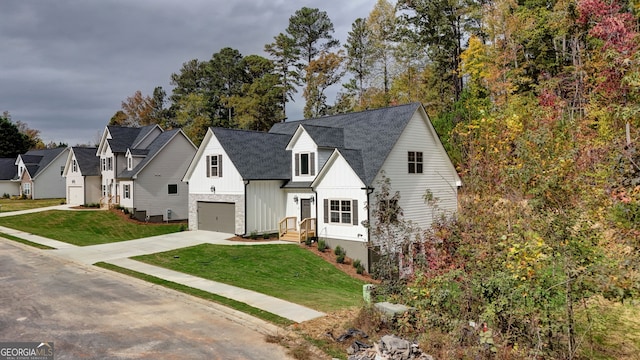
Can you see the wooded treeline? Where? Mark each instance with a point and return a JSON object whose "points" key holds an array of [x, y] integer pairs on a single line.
{"points": [[537, 103]]}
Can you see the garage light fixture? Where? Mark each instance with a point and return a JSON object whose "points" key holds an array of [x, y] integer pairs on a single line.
{"points": [[295, 199], [213, 189]]}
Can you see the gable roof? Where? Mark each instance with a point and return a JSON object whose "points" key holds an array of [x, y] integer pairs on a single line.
{"points": [[88, 162], [8, 168], [151, 151], [256, 155], [36, 161], [373, 133], [123, 138]]}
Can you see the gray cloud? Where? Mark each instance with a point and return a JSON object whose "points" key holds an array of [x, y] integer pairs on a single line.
{"points": [[66, 65]]}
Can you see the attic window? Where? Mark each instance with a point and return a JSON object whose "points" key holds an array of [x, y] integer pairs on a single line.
{"points": [[305, 164], [214, 166], [415, 162], [129, 163], [74, 166]]}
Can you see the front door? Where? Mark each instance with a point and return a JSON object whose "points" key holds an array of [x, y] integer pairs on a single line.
{"points": [[305, 209]]}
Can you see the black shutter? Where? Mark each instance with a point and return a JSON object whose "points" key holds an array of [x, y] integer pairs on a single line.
{"points": [[354, 211], [297, 164], [312, 159], [219, 165], [208, 165], [326, 211]]}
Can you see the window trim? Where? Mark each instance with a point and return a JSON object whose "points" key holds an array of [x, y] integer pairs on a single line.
{"points": [[311, 163], [74, 165], [210, 167], [415, 161], [353, 211], [126, 191]]}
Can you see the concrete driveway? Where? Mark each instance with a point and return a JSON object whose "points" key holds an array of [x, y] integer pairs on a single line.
{"points": [[90, 313]]}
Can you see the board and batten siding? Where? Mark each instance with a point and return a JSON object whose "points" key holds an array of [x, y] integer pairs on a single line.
{"points": [[231, 183], [265, 205], [150, 191], [304, 144], [438, 175], [340, 182]]}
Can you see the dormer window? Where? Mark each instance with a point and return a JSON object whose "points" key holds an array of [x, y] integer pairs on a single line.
{"points": [[305, 164]]}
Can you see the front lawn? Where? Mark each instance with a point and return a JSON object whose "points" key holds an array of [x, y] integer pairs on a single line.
{"points": [[15, 204], [84, 228], [287, 272]]}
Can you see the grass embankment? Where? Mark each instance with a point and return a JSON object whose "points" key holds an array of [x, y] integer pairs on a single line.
{"points": [[27, 204], [284, 271], [26, 242], [247, 309], [84, 228]]}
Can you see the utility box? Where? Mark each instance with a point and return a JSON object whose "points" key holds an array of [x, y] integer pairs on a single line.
{"points": [[367, 289], [169, 213]]}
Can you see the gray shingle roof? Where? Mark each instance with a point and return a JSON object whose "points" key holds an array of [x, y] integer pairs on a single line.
{"points": [[256, 155], [8, 168], [373, 132], [123, 138], [37, 160], [88, 162], [328, 137], [151, 151]]}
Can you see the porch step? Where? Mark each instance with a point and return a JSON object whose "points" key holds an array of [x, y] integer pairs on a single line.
{"points": [[291, 236]]}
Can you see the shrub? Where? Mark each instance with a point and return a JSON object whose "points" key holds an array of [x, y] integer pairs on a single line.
{"points": [[322, 245], [339, 251], [359, 268], [6, 196], [183, 227], [356, 263], [340, 259], [253, 235], [266, 236]]}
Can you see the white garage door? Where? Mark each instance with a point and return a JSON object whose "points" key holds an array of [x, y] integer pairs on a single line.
{"points": [[217, 216], [76, 195]]}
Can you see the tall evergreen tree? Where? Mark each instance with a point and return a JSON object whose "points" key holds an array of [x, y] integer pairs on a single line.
{"points": [[12, 141]]}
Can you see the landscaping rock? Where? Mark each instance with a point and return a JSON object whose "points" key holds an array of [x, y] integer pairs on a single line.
{"points": [[390, 347], [391, 310]]}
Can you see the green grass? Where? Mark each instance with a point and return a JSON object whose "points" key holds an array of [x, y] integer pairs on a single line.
{"points": [[247, 309], [84, 228], [26, 242], [15, 205], [284, 271]]}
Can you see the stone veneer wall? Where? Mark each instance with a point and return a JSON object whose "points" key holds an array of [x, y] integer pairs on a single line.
{"points": [[236, 199]]}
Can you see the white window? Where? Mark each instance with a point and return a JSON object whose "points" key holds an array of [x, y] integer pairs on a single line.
{"points": [[305, 164], [74, 166], [104, 190], [26, 189], [341, 211], [415, 162], [109, 163], [129, 163], [126, 191], [103, 161], [214, 166]]}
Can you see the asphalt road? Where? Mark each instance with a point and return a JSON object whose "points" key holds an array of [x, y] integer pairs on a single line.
{"points": [[91, 313]]}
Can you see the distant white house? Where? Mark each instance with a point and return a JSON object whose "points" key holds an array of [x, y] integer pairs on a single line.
{"points": [[317, 177], [141, 169], [40, 173], [9, 184], [82, 173]]}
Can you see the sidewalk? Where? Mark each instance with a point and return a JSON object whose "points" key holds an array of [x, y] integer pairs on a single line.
{"points": [[118, 253]]}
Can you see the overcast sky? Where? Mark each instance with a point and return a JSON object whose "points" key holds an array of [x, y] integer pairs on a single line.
{"points": [[66, 65]]}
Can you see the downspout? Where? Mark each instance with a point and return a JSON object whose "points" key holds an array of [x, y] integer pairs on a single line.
{"points": [[246, 184], [369, 192], [315, 195]]}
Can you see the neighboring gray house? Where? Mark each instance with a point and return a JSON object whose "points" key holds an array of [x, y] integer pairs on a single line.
{"points": [[82, 173], [40, 173], [317, 177], [142, 169], [8, 177]]}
